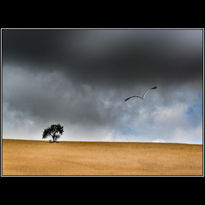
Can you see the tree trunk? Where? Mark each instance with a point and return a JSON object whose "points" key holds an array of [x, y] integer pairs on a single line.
{"points": [[54, 138]]}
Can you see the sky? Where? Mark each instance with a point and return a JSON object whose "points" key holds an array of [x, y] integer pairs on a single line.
{"points": [[80, 78]]}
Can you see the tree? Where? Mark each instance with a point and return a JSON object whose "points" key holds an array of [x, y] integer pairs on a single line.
{"points": [[53, 131]]}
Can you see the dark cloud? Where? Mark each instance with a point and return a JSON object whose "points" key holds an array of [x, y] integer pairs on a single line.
{"points": [[115, 57]]}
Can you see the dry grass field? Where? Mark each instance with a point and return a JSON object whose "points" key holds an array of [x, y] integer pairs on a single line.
{"points": [[26, 157]]}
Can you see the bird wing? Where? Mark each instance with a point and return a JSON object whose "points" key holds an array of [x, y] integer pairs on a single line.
{"points": [[155, 87], [146, 92], [130, 97]]}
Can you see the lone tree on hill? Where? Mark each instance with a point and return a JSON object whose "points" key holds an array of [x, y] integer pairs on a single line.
{"points": [[53, 131]]}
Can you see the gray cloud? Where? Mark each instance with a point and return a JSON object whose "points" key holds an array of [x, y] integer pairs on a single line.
{"points": [[80, 78]]}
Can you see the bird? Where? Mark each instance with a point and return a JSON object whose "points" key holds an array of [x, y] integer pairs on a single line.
{"points": [[143, 97]]}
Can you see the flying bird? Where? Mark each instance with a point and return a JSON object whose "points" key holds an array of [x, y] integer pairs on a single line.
{"points": [[143, 97]]}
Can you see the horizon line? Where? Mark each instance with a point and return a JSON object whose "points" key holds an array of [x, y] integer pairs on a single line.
{"points": [[105, 141]]}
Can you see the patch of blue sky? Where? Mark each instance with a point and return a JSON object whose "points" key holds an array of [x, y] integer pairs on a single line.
{"points": [[196, 108], [199, 95], [135, 134], [128, 131], [194, 113]]}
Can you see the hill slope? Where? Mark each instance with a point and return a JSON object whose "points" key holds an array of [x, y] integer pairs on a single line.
{"points": [[25, 157]]}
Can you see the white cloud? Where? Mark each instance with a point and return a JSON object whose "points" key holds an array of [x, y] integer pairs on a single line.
{"points": [[189, 135], [158, 140], [156, 119]]}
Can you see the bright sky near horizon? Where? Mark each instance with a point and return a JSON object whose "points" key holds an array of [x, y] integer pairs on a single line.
{"points": [[80, 78]]}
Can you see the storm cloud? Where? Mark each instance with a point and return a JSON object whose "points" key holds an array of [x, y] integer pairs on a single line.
{"points": [[80, 77]]}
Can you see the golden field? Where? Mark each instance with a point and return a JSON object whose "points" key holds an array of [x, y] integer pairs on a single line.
{"points": [[27, 157]]}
